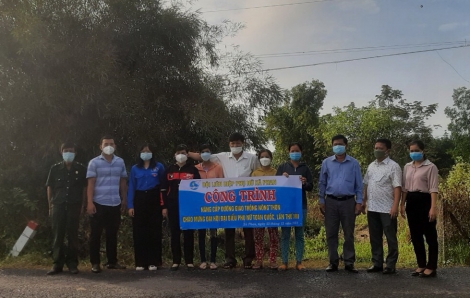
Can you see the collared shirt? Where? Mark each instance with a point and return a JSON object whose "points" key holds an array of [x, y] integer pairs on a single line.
{"points": [[423, 178], [381, 178], [234, 168], [144, 179], [340, 178], [67, 185], [108, 176], [261, 172], [214, 171]]}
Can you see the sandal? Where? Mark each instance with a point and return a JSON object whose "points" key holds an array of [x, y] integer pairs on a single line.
{"points": [[273, 266], [203, 266], [300, 267], [258, 265], [213, 266], [283, 267]]}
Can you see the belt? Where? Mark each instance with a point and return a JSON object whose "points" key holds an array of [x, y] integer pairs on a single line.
{"points": [[148, 190], [342, 198]]}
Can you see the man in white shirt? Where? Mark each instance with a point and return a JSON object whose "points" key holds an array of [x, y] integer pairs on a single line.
{"points": [[382, 191], [236, 163]]}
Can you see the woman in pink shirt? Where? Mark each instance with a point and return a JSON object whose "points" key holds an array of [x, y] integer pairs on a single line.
{"points": [[208, 170], [420, 190]]}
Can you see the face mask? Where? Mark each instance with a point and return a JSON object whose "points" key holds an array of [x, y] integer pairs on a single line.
{"points": [[416, 156], [379, 154], [339, 149], [108, 150], [206, 156], [236, 150], [181, 158], [146, 155], [295, 155], [68, 156], [265, 161]]}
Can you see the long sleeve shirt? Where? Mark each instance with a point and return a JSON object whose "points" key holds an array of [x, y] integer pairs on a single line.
{"points": [[301, 170], [340, 178], [174, 175], [143, 179]]}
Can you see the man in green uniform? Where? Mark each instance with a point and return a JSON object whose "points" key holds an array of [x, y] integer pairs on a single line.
{"points": [[66, 193]]}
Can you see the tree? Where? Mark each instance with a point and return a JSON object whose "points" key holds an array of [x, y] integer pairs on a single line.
{"points": [[297, 121], [137, 69], [459, 125], [389, 115]]}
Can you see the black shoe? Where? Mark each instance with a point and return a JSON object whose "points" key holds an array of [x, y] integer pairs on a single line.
{"points": [[375, 269], [115, 266], [389, 271], [73, 270], [54, 271], [332, 268], [230, 265], [432, 274], [96, 268], [350, 268], [416, 273]]}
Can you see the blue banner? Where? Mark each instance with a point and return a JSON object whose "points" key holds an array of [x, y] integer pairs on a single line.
{"points": [[245, 202]]}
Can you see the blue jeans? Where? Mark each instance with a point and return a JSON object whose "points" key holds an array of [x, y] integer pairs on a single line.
{"points": [[299, 241]]}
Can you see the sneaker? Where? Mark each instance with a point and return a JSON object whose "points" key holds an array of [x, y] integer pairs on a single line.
{"points": [[96, 268], [73, 270], [152, 268], [174, 267], [115, 266], [139, 268], [54, 271]]}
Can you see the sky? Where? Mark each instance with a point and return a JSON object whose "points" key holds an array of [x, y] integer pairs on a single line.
{"points": [[410, 25]]}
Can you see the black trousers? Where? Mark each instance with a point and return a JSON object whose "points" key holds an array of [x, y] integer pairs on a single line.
{"points": [[188, 238], [417, 211], [230, 246], [147, 228], [202, 244], [65, 221], [109, 219], [380, 224]]}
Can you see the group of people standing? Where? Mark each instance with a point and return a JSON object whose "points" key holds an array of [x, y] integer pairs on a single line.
{"points": [[150, 193]]}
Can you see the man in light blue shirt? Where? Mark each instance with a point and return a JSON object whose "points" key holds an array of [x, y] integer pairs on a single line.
{"points": [[107, 197], [340, 186]]}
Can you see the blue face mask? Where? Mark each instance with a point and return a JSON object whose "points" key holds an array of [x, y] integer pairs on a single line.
{"points": [[295, 155], [339, 149], [145, 155], [206, 156], [415, 156], [68, 156]]}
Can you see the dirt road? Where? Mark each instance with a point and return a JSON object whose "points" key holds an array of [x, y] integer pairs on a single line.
{"points": [[452, 282]]}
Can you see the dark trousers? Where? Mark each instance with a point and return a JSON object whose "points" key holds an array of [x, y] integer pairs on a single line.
{"points": [[230, 246], [65, 221], [417, 211], [109, 219], [147, 228], [188, 238], [340, 212], [380, 224], [202, 244]]}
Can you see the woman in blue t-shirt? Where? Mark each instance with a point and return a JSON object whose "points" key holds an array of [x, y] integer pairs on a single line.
{"points": [[145, 207]]}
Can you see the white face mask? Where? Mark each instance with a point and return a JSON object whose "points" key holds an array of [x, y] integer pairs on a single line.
{"points": [[236, 150], [181, 158], [265, 161], [108, 150]]}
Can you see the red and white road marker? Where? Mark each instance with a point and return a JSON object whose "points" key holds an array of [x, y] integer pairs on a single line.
{"points": [[27, 234]]}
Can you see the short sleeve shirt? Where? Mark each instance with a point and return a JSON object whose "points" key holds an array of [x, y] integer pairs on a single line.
{"points": [[233, 168], [381, 178], [108, 176], [67, 186]]}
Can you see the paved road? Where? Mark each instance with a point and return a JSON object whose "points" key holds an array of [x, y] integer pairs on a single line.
{"points": [[452, 282]]}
